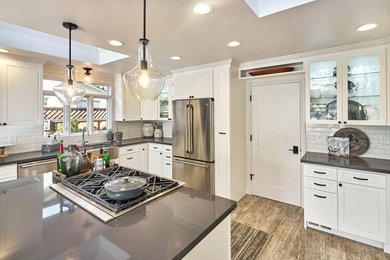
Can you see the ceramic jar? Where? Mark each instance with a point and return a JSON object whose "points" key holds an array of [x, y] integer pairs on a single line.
{"points": [[70, 162], [148, 129], [158, 133]]}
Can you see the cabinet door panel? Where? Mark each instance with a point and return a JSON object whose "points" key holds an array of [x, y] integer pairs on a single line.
{"points": [[155, 162], [222, 165], [149, 110], [362, 211], [167, 169], [127, 108], [222, 99], [202, 84], [23, 97], [321, 208], [182, 86], [130, 160], [143, 157], [8, 172]]}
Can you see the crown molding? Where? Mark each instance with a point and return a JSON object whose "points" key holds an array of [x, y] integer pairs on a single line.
{"points": [[205, 66]]}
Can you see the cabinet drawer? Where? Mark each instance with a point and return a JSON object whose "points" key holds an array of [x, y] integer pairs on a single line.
{"points": [[320, 172], [362, 178], [167, 149], [321, 184], [321, 208], [128, 149], [8, 173], [129, 160], [155, 147], [167, 156]]}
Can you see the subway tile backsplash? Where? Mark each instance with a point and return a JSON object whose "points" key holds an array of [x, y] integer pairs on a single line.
{"points": [[379, 136]]}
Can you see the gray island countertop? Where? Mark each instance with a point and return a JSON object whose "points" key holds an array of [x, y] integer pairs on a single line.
{"points": [[41, 224], [39, 155], [355, 163]]}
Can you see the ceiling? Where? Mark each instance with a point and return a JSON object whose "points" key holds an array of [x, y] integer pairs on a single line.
{"points": [[174, 29]]}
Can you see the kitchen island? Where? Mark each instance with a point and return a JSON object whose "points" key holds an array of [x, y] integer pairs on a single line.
{"points": [[38, 223]]}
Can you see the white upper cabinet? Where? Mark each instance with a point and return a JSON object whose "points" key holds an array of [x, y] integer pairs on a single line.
{"points": [[149, 109], [165, 101], [127, 108], [222, 99], [193, 84], [21, 93], [349, 89]]}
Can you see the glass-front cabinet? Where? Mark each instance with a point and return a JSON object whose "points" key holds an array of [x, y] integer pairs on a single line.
{"points": [[350, 89], [165, 100]]}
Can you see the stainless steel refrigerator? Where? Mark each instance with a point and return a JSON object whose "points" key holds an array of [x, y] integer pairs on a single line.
{"points": [[193, 143]]}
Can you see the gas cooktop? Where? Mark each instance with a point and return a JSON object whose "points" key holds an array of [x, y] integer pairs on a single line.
{"points": [[88, 191]]}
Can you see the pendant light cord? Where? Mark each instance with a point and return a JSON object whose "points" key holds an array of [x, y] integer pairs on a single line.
{"points": [[144, 39], [144, 19], [70, 46]]}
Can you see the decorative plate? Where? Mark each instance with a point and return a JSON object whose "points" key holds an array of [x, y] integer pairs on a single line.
{"points": [[358, 140]]}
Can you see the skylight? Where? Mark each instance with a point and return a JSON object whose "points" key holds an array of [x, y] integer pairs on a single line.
{"points": [[22, 38], [267, 7]]}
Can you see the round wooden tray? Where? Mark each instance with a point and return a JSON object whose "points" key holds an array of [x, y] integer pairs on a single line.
{"points": [[358, 140]]}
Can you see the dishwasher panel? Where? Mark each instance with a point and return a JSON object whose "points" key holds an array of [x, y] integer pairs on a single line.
{"points": [[37, 167]]}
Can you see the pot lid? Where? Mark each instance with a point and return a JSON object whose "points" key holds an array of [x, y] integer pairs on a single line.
{"points": [[125, 184]]}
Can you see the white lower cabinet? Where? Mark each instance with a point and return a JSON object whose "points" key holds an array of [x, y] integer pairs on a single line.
{"points": [[167, 169], [8, 172], [132, 157], [143, 157], [352, 203], [155, 162], [321, 208], [160, 159], [362, 211], [130, 160]]}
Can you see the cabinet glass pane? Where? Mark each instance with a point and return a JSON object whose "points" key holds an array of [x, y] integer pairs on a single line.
{"points": [[323, 90], [163, 102], [364, 88]]}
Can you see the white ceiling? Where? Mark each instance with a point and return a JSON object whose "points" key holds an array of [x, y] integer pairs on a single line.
{"points": [[175, 30]]}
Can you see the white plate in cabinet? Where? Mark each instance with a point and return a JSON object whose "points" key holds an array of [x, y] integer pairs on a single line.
{"points": [[321, 208], [362, 211], [320, 172], [128, 149], [361, 178], [321, 184]]}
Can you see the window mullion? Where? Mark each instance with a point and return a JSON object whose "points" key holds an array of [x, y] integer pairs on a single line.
{"points": [[66, 120], [90, 114]]}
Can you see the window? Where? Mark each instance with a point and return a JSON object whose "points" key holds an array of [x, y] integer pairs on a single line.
{"points": [[93, 112]]}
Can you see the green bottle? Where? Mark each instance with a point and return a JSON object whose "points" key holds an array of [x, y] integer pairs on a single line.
{"points": [[106, 159], [59, 155]]}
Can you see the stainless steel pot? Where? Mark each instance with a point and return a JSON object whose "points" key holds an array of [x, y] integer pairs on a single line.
{"points": [[125, 188]]}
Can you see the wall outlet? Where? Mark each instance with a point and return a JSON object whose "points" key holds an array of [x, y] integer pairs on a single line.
{"points": [[12, 139]]}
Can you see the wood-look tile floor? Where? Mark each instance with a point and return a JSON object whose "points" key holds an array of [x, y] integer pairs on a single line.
{"points": [[288, 239]]}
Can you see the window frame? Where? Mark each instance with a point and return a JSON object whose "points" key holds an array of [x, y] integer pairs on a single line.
{"points": [[66, 130]]}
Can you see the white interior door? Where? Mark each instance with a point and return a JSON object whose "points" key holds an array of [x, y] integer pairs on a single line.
{"points": [[275, 130]]}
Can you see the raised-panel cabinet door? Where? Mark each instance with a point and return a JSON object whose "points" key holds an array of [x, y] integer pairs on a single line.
{"points": [[155, 162], [222, 165], [127, 108], [143, 157], [23, 94], [182, 86], [167, 169], [202, 84], [8, 172], [321, 208], [222, 99], [149, 109], [130, 160], [362, 211]]}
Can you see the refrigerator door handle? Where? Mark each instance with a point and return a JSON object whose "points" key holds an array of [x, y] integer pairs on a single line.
{"points": [[187, 128], [190, 163], [191, 109]]}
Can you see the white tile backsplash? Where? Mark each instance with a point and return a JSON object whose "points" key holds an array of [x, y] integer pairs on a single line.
{"points": [[379, 136]]}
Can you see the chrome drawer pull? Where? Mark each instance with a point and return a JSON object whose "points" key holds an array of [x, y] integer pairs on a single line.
{"points": [[131, 158], [319, 172], [319, 184], [360, 179], [321, 197]]}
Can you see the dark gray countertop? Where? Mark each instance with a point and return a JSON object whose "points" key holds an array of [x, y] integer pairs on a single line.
{"points": [[49, 226], [356, 163], [39, 155]]}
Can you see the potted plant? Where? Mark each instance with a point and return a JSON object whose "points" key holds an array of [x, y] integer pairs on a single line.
{"points": [[118, 135], [110, 135]]}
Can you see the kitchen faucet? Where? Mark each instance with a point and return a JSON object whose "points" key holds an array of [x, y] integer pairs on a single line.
{"points": [[83, 143]]}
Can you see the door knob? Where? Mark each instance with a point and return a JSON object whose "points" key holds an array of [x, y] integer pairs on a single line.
{"points": [[294, 149]]}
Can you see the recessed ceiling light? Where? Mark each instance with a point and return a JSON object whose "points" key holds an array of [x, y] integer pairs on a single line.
{"points": [[4, 50], [366, 27], [201, 9], [234, 44], [115, 43], [175, 58]]}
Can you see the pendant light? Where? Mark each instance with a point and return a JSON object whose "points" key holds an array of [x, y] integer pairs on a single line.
{"points": [[88, 79], [143, 81], [69, 92]]}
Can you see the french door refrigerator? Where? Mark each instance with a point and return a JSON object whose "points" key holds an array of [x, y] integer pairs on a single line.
{"points": [[193, 143]]}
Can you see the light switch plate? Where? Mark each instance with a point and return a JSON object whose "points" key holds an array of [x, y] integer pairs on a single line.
{"points": [[12, 139]]}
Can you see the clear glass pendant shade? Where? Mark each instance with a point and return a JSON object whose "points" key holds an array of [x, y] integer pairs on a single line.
{"points": [[69, 92], [143, 81]]}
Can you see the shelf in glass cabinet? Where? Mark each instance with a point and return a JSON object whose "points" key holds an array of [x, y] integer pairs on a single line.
{"points": [[325, 77], [376, 73]]}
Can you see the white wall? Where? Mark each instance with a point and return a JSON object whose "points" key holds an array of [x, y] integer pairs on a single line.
{"points": [[379, 136]]}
